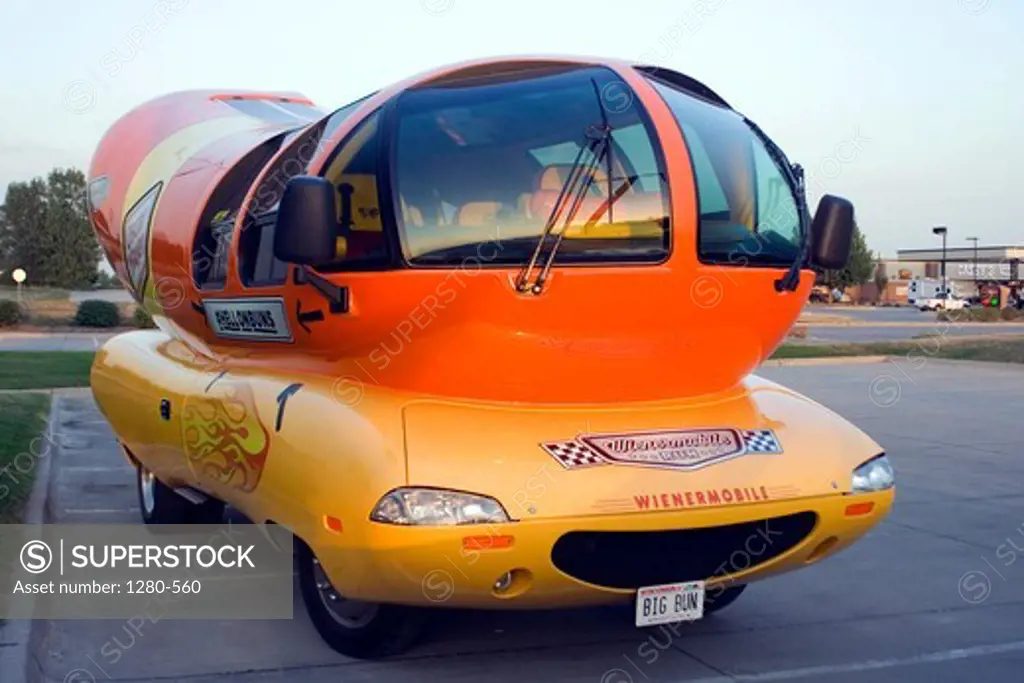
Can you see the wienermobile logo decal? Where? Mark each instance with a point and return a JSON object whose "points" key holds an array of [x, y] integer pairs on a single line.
{"points": [[686, 449]]}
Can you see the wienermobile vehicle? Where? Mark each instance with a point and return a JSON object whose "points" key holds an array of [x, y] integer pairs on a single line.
{"points": [[481, 339]]}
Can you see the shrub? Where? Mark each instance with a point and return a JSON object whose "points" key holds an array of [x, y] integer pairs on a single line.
{"points": [[961, 315], [11, 313], [96, 313], [142, 319]]}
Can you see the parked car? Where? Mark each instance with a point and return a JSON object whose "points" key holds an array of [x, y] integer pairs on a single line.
{"points": [[943, 302], [682, 477]]}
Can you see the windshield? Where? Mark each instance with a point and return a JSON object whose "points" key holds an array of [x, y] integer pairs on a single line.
{"points": [[748, 214], [484, 162]]}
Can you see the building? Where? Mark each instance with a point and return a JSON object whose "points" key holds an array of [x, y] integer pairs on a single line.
{"points": [[966, 268], [993, 264]]}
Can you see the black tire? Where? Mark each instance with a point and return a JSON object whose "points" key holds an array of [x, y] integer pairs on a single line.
{"points": [[389, 630], [163, 506], [716, 600]]}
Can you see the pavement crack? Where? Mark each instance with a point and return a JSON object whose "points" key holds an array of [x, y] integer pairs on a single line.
{"points": [[721, 672]]}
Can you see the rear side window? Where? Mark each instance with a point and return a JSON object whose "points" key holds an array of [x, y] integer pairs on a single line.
{"points": [[484, 160], [137, 224]]}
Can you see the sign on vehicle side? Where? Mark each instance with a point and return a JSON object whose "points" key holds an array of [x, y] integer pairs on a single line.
{"points": [[251, 319]]}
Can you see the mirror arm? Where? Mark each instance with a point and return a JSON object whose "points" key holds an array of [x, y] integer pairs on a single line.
{"points": [[791, 280], [335, 295]]}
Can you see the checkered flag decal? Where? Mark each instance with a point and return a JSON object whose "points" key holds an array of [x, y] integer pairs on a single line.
{"points": [[761, 441], [571, 454]]}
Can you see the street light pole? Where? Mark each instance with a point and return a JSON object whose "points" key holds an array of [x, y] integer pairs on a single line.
{"points": [[942, 230], [975, 240]]}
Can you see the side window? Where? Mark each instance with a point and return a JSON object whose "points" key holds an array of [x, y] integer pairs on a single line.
{"points": [[635, 144], [748, 208], [213, 238], [257, 265], [340, 115], [353, 172], [713, 203], [776, 210]]}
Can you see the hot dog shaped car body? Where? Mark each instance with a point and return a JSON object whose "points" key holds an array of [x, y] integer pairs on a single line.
{"points": [[481, 339]]}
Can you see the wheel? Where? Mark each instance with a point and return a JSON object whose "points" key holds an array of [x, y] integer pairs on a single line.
{"points": [[362, 630], [159, 503], [721, 599]]}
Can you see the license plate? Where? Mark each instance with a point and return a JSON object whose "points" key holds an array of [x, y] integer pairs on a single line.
{"points": [[670, 603]]}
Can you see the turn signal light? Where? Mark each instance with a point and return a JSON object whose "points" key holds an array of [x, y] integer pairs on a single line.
{"points": [[859, 509], [487, 542]]}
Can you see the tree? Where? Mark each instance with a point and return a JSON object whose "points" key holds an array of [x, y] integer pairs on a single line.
{"points": [[858, 269], [105, 280], [881, 277], [44, 228]]}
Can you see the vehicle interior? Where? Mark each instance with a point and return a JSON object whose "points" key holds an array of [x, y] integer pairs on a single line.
{"points": [[472, 167], [488, 161]]}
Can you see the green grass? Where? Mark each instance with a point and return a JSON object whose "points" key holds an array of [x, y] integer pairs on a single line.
{"points": [[995, 350], [22, 419], [44, 369]]}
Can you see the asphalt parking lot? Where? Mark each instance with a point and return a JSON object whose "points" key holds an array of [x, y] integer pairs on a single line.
{"points": [[869, 314], [934, 594]]}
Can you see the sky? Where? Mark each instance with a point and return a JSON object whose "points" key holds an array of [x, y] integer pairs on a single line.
{"points": [[906, 107]]}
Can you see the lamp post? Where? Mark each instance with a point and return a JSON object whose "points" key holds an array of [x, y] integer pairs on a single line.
{"points": [[942, 230], [976, 278]]}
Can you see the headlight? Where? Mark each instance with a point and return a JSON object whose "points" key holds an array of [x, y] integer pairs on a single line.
{"points": [[433, 507], [874, 475]]}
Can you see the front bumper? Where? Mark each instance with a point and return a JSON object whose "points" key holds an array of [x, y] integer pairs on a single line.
{"points": [[434, 566]]}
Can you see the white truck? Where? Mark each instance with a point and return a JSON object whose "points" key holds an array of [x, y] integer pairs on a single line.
{"points": [[927, 290]]}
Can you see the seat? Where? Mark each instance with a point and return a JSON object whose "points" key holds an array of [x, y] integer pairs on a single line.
{"points": [[478, 214]]}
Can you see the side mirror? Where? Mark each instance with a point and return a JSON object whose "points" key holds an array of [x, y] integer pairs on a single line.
{"points": [[307, 222], [832, 233]]}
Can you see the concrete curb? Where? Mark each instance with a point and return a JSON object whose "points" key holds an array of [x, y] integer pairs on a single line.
{"points": [[21, 635], [824, 360]]}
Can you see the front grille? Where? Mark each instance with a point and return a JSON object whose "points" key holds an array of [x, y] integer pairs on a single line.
{"points": [[632, 559]]}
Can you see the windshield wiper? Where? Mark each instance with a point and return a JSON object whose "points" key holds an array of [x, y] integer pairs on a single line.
{"points": [[795, 176], [599, 143], [572, 193]]}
